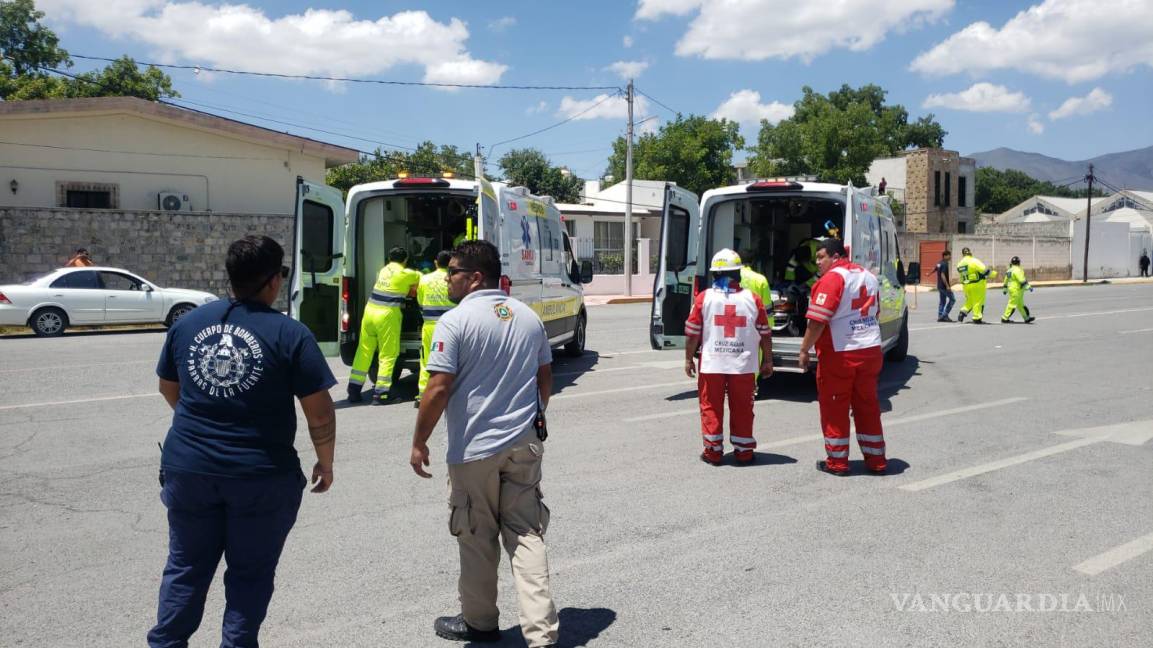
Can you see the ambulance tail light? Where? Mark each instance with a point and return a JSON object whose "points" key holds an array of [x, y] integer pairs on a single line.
{"points": [[774, 185], [421, 183], [345, 292], [4, 299], [506, 284]]}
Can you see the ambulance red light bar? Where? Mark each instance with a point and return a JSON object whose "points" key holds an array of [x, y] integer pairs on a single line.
{"points": [[774, 185], [421, 183]]}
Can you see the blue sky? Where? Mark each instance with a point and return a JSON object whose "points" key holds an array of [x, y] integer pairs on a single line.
{"points": [[1067, 78]]}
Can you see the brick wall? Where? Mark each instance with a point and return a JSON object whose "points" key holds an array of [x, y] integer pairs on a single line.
{"points": [[176, 249], [1042, 257]]}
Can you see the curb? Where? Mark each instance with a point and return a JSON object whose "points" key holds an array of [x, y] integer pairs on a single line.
{"points": [[630, 300]]}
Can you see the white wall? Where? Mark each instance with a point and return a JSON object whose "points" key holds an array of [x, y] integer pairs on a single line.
{"points": [[642, 281], [892, 170], [144, 156], [1110, 250]]}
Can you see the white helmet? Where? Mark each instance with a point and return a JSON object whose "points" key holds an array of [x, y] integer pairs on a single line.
{"points": [[726, 260]]}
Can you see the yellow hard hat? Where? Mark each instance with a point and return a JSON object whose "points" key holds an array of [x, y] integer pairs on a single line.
{"points": [[726, 260]]}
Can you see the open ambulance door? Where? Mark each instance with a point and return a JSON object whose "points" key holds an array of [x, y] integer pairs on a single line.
{"points": [[488, 217], [318, 262], [673, 286]]}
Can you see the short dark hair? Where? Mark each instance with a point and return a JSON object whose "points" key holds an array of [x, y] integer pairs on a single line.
{"points": [[965, 251], [398, 255], [481, 256], [81, 250], [833, 247], [251, 263], [442, 258], [946, 253]]}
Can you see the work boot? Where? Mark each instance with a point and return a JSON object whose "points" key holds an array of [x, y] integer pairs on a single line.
{"points": [[744, 458], [381, 398], [712, 458], [961, 316], [354, 394], [824, 467], [456, 629], [1006, 320], [977, 321], [416, 403], [944, 318], [1029, 320]]}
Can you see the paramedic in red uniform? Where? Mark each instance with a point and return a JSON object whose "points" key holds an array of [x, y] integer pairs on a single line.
{"points": [[842, 321], [728, 325]]}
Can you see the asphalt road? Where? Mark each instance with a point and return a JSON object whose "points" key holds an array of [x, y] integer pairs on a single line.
{"points": [[1021, 480]]}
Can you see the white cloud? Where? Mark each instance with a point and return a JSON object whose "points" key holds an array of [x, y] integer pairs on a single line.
{"points": [[1097, 99], [1034, 124], [628, 69], [756, 30], [540, 107], [318, 41], [980, 97], [611, 108], [1071, 40], [745, 108], [501, 24], [627, 41]]}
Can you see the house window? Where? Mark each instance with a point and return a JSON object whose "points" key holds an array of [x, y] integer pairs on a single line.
{"points": [[962, 181], [948, 187], [88, 195], [936, 188], [961, 227]]}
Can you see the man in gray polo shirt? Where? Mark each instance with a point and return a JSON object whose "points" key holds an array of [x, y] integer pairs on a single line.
{"points": [[489, 372]]}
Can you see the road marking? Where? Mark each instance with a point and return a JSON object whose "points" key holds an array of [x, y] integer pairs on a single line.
{"points": [[74, 402], [584, 372], [1133, 433], [79, 366], [653, 417], [1116, 556], [684, 383], [1146, 330], [609, 354], [943, 326]]}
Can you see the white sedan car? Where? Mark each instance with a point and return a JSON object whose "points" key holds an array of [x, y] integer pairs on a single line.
{"points": [[93, 296]]}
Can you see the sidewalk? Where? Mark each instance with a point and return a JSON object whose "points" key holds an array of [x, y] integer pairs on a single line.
{"points": [[1052, 284], [601, 300]]}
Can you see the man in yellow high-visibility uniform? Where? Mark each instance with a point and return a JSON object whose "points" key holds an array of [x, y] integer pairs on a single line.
{"points": [[974, 278], [1015, 286], [802, 265], [381, 327], [432, 295], [758, 284]]}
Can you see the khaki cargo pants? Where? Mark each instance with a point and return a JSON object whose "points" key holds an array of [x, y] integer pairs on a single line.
{"points": [[499, 499]]}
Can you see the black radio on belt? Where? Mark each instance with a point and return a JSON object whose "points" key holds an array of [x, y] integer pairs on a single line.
{"points": [[540, 424]]}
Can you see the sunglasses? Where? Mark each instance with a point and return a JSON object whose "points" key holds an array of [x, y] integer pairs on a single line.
{"points": [[453, 271]]}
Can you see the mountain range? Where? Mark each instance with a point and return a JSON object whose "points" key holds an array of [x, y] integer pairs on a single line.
{"points": [[1126, 170]]}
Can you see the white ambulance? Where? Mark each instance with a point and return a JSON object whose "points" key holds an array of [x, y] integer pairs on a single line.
{"points": [[342, 246], [765, 222]]}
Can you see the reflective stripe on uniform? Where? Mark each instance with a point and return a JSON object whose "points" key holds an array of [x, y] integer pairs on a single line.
{"points": [[873, 438], [382, 298], [713, 437], [872, 451], [836, 442], [843, 454], [434, 312]]}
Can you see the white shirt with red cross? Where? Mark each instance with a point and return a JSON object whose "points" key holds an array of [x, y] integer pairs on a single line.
{"points": [[730, 324], [847, 299]]}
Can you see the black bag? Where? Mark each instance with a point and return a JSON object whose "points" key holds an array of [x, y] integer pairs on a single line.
{"points": [[539, 423]]}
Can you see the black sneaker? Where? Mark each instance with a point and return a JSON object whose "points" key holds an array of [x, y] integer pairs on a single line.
{"points": [[961, 316], [1030, 320], [1006, 321], [944, 318], [977, 321], [456, 629], [354, 395], [382, 399], [824, 467], [416, 404]]}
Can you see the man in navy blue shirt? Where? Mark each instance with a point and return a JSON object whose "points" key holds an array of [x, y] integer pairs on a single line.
{"points": [[230, 475]]}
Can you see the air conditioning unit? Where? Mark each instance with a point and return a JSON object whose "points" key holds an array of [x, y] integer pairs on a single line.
{"points": [[173, 201]]}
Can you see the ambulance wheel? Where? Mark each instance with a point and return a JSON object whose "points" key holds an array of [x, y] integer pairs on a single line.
{"points": [[576, 347], [901, 350], [48, 322]]}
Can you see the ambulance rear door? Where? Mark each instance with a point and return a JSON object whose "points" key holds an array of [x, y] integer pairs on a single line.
{"points": [[520, 254], [673, 286], [488, 225], [318, 262]]}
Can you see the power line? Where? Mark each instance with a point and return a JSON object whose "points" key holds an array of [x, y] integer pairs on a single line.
{"points": [[314, 77], [657, 102], [560, 123]]}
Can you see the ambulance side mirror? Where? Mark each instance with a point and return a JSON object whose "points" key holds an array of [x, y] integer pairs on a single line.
{"points": [[586, 272], [911, 275]]}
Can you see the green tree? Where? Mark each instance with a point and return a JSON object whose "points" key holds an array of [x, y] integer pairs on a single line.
{"points": [[427, 160], [30, 50], [530, 168], [695, 152], [837, 136], [998, 191]]}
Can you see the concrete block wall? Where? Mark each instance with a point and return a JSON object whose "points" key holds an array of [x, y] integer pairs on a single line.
{"points": [[177, 249], [1053, 229], [1044, 258]]}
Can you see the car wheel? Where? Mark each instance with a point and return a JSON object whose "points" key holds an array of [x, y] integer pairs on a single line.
{"points": [[48, 322], [576, 347], [178, 311], [901, 349]]}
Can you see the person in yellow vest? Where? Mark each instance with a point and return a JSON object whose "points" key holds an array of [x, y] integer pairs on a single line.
{"points": [[802, 265], [380, 329], [1015, 286], [432, 295], [758, 284], [974, 278]]}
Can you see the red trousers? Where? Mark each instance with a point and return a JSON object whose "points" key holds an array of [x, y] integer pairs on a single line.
{"points": [[740, 388], [849, 379]]}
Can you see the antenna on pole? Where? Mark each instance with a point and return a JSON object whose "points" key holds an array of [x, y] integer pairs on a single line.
{"points": [[628, 252]]}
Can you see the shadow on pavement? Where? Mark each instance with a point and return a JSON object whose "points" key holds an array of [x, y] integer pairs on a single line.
{"points": [[759, 459], [802, 388], [567, 370], [895, 467], [578, 626]]}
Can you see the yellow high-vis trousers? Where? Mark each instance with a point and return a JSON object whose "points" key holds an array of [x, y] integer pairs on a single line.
{"points": [[426, 332], [1016, 303], [974, 299], [380, 334]]}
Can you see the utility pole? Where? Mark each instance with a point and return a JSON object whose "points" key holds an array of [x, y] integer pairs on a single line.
{"points": [[478, 163], [628, 269], [1088, 213]]}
